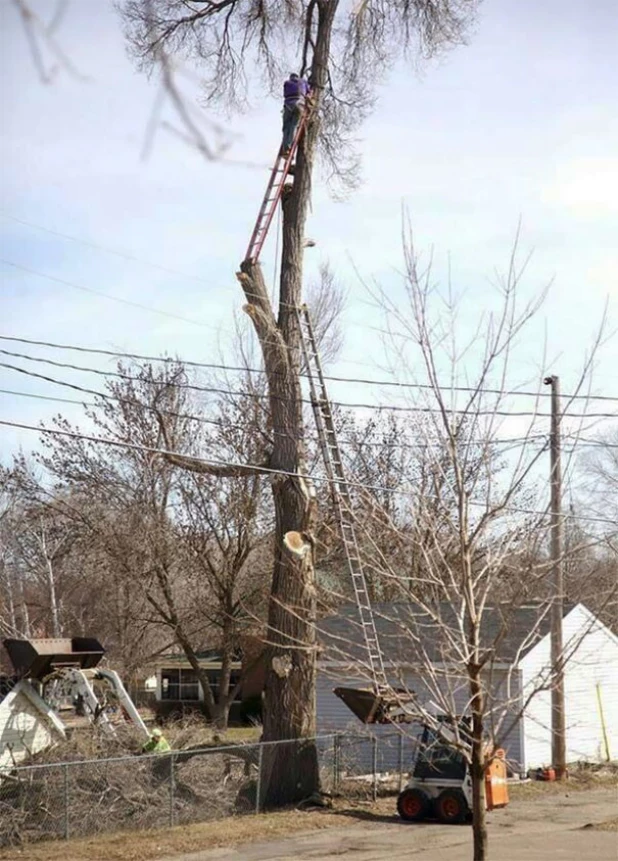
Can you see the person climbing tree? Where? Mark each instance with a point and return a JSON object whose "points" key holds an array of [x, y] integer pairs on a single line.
{"points": [[345, 52], [296, 92]]}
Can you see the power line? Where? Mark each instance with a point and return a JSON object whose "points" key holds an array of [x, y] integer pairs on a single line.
{"points": [[125, 255], [139, 305], [266, 397], [511, 441], [332, 378], [94, 292], [266, 470]]}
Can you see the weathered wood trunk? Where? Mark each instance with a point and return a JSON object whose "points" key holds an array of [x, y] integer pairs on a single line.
{"points": [[290, 771], [477, 769]]}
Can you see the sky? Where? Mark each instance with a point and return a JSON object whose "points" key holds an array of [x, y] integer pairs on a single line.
{"points": [[518, 126]]}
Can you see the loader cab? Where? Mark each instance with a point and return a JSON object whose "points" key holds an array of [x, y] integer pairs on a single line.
{"points": [[435, 760], [440, 785]]}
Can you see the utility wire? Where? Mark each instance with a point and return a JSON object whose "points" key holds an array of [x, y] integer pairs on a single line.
{"points": [[245, 369], [141, 306], [512, 442], [266, 470], [91, 290], [266, 397], [524, 440], [125, 255]]}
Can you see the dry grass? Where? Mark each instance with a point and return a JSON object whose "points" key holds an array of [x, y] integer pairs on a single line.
{"points": [[580, 778], [608, 825], [153, 844]]}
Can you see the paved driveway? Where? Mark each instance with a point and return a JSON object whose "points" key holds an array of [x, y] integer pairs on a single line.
{"points": [[548, 828]]}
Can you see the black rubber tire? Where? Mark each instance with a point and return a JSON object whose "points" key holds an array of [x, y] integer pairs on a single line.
{"points": [[451, 807], [413, 805]]}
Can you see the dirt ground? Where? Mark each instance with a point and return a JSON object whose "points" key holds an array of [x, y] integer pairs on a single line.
{"points": [[570, 823]]}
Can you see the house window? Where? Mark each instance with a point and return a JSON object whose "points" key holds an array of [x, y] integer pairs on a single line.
{"points": [[214, 677], [179, 685]]}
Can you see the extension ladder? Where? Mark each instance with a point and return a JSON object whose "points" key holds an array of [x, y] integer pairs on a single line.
{"points": [[274, 190], [331, 453]]}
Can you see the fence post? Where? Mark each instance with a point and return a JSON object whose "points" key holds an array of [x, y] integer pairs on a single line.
{"points": [[172, 788], [66, 828], [336, 760], [258, 785], [374, 766], [400, 761]]}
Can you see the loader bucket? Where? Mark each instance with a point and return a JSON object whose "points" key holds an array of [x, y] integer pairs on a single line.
{"points": [[374, 706], [37, 658]]}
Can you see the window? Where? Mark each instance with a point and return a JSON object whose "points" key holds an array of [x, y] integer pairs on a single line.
{"points": [[436, 759], [214, 677], [182, 685], [179, 685]]}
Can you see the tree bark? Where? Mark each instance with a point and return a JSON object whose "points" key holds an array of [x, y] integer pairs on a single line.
{"points": [[477, 769], [51, 585], [291, 771]]}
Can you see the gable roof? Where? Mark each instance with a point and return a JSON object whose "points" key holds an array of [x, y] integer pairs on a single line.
{"points": [[406, 633]]}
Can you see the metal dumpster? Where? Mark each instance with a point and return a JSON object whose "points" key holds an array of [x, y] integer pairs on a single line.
{"points": [[36, 659]]}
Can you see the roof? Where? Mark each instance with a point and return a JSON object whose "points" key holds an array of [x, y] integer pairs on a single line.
{"points": [[208, 659], [408, 635]]}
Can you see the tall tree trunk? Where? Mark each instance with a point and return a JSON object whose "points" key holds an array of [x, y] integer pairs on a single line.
{"points": [[53, 602], [222, 710], [291, 771], [25, 613], [479, 804], [8, 582]]}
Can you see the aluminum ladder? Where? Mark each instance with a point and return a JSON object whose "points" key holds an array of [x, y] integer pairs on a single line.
{"points": [[331, 453], [274, 190]]}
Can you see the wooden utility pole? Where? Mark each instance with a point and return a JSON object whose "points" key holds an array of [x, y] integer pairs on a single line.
{"points": [[558, 724]]}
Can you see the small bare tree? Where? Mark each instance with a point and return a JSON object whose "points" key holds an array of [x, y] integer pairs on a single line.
{"points": [[154, 531], [476, 535]]}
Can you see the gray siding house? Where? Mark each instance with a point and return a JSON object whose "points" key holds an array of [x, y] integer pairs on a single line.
{"points": [[519, 640]]}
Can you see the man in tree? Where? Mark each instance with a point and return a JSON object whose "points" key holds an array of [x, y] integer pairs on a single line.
{"points": [[343, 54], [296, 91]]}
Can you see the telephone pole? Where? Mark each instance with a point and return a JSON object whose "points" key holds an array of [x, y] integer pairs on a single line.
{"points": [[558, 726]]}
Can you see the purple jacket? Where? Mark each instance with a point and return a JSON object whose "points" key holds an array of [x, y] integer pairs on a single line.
{"points": [[294, 92]]}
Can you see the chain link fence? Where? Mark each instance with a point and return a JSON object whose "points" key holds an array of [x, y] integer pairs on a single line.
{"points": [[88, 797]]}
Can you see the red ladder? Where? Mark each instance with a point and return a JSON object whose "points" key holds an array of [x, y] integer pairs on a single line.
{"points": [[274, 190]]}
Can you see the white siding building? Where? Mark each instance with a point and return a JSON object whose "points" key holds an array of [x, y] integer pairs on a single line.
{"points": [[590, 693], [27, 725]]}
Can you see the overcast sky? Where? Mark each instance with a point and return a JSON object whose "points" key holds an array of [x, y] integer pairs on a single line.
{"points": [[521, 123]]}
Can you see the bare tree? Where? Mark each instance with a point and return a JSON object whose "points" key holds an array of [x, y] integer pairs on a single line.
{"points": [[481, 525], [343, 54], [591, 566], [178, 554], [39, 544]]}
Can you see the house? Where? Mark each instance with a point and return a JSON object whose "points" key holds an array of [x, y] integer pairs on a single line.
{"points": [[177, 689], [27, 725], [590, 693], [520, 667]]}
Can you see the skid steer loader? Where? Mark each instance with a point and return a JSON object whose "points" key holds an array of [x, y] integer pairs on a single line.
{"points": [[441, 784]]}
